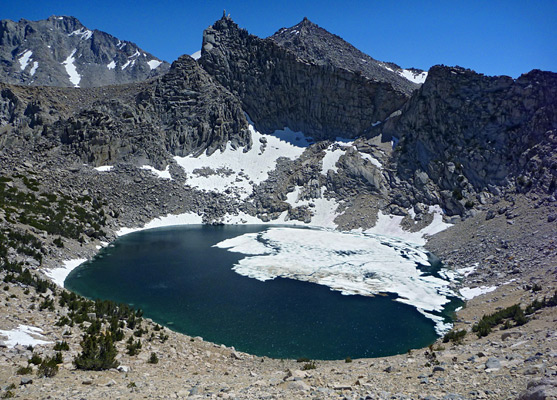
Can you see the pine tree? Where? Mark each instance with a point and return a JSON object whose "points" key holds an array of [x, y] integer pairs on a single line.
{"points": [[98, 353]]}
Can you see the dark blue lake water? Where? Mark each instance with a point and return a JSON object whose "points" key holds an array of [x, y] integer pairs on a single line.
{"points": [[179, 280]]}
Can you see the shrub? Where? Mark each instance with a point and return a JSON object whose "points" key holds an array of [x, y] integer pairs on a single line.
{"points": [[309, 365], [153, 359], [24, 370], [348, 360], [133, 347], [35, 359], [49, 367], [454, 336], [98, 353], [60, 346]]}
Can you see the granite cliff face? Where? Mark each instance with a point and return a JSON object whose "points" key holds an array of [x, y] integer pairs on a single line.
{"points": [[311, 42], [183, 112], [60, 51], [279, 89], [467, 133]]}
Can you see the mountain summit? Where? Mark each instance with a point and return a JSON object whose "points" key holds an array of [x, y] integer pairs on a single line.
{"points": [[60, 51], [314, 43]]}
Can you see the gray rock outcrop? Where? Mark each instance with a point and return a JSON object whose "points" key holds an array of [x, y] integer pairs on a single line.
{"points": [[465, 133], [183, 112]]}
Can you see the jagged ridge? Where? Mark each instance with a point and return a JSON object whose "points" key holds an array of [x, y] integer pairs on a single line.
{"points": [[183, 112], [60, 51]]}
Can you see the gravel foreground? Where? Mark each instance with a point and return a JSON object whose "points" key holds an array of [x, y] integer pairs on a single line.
{"points": [[514, 250]]}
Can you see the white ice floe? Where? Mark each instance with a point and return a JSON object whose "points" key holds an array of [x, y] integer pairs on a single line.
{"points": [[161, 174], [154, 64], [413, 76], [196, 55], [470, 293], [84, 33], [59, 275], [104, 168], [234, 170], [34, 68], [68, 63], [353, 263], [24, 59], [111, 65], [24, 335]]}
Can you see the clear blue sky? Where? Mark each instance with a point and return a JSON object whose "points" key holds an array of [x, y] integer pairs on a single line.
{"points": [[493, 37]]}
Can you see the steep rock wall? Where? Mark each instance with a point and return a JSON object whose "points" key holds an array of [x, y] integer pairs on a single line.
{"points": [[278, 89], [466, 132]]}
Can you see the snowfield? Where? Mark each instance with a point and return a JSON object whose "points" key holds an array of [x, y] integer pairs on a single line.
{"points": [[69, 65], [23, 335], [235, 171]]}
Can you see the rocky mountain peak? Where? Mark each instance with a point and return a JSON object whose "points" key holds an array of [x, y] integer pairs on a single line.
{"points": [[309, 41], [279, 88], [61, 51]]}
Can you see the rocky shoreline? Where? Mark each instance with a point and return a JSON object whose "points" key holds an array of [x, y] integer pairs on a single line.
{"points": [[519, 240]]}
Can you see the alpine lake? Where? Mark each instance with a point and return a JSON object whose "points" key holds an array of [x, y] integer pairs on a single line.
{"points": [[181, 280]]}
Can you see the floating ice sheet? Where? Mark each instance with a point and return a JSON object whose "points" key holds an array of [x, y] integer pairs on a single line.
{"points": [[353, 263]]}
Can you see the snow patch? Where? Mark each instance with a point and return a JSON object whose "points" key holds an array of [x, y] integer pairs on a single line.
{"points": [[418, 78], [59, 275], [83, 32], [324, 211], [71, 69], [169, 220], [24, 335], [104, 168], [111, 65], [126, 64], [196, 55], [470, 293], [161, 174], [331, 158], [352, 263], [234, 170], [389, 225], [154, 64], [34, 68], [297, 139], [372, 160], [24, 59]]}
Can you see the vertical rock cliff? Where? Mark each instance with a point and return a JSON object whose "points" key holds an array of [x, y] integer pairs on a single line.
{"points": [[277, 88]]}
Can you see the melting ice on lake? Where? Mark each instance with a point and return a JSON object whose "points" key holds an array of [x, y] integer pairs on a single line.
{"points": [[353, 263]]}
